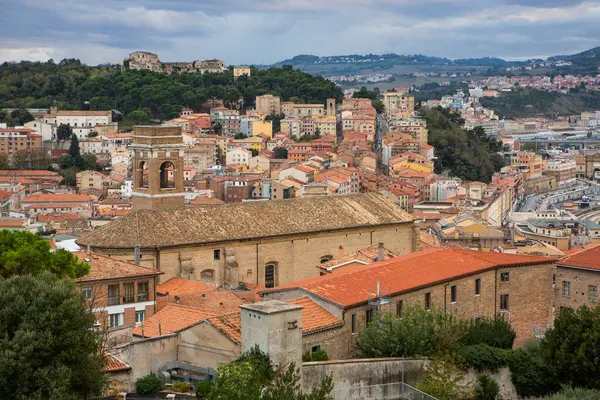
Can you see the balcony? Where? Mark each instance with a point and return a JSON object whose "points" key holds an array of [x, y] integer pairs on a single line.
{"points": [[128, 299], [114, 300], [142, 297]]}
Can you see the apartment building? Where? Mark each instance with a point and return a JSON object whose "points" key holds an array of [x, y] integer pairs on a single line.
{"points": [[564, 170], [398, 101], [120, 293], [238, 156], [268, 104], [13, 140], [241, 70]]}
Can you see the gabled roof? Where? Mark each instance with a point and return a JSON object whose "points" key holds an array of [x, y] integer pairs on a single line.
{"points": [[210, 224], [113, 364], [314, 319], [407, 272], [57, 198], [173, 318], [102, 268], [588, 258], [178, 286]]}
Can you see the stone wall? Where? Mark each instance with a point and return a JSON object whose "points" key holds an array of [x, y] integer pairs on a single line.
{"points": [[361, 373]]}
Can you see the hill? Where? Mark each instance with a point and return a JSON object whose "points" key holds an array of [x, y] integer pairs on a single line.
{"points": [[73, 85], [523, 103]]}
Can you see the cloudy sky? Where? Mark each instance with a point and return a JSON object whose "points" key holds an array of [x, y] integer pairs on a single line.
{"points": [[267, 31]]}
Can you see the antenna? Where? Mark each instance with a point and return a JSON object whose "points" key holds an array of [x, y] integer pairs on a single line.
{"points": [[378, 300]]}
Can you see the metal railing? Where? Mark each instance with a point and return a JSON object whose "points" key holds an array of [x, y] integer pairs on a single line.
{"points": [[142, 297], [389, 391], [114, 300]]}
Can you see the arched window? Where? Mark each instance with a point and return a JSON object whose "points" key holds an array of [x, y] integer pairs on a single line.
{"points": [[167, 175], [207, 276], [270, 275], [142, 175], [326, 258]]}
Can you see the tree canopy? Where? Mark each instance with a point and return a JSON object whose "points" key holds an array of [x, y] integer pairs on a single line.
{"points": [[72, 85], [24, 253], [48, 349], [469, 154]]}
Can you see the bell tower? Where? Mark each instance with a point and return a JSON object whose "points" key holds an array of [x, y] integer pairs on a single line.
{"points": [[157, 167], [330, 107]]}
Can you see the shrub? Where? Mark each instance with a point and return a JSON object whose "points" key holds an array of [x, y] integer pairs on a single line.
{"points": [[260, 363], [569, 393], [442, 380], [203, 388], [319, 355], [495, 332], [149, 384], [531, 374], [419, 332], [486, 388], [482, 357], [181, 386]]}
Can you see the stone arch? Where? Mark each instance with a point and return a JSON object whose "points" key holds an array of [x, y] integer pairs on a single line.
{"points": [[207, 276], [271, 272], [142, 174], [327, 258], [167, 175]]}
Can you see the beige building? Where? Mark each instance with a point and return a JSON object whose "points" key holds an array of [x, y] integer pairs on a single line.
{"points": [[308, 110], [268, 104], [241, 70], [263, 243], [563, 170], [89, 180], [325, 125], [398, 101]]}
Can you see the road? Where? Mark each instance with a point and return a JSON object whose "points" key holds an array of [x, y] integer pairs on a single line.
{"points": [[540, 202], [380, 131]]}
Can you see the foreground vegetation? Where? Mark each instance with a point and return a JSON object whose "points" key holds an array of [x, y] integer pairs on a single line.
{"points": [[567, 356], [142, 95]]}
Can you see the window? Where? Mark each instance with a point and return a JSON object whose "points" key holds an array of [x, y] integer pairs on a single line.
{"points": [[217, 254], [504, 302], [115, 320], [140, 316], [142, 291], [369, 316], [593, 293], [269, 276], [453, 294], [399, 307], [504, 276], [128, 294], [566, 288], [477, 286], [353, 324], [316, 348], [428, 301], [87, 293], [114, 296]]}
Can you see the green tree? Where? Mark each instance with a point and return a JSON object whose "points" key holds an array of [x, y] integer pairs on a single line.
{"points": [[69, 176], [419, 332], [254, 152], [235, 381], [486, 388], [280, 152], [4, 162], [24, 253], [495, 332], [74, 147], [91, 163], [64, 132], [572, 346], [49, 347], [138, 116], [442, 380]]}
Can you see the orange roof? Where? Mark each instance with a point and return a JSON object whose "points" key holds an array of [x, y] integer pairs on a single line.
{"points": [[408, 272], [102, 267], [57, 198], [58, 217], [314, 317], [113, 364], [230, 325], [588, 258], [172, 318], [198, 201], [219, 301], [36, 172], [12, 222], [178, 286]]}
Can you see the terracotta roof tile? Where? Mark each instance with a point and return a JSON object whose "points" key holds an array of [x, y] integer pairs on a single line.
{"points": [[57, 198], [407, 272], [203, 224], [113, 364], [29, 173], [172, 318], [315, 317], [588, 257], [102, 267], [230, 325], [178, 286], [219, 301], [12, 222]]}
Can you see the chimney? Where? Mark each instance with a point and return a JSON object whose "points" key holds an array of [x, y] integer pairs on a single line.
{"points": [[142, 330], [176, 299], [203, 295], [89, 249], [380, 252], [341, 251], [137, 255], [159, 328]]}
